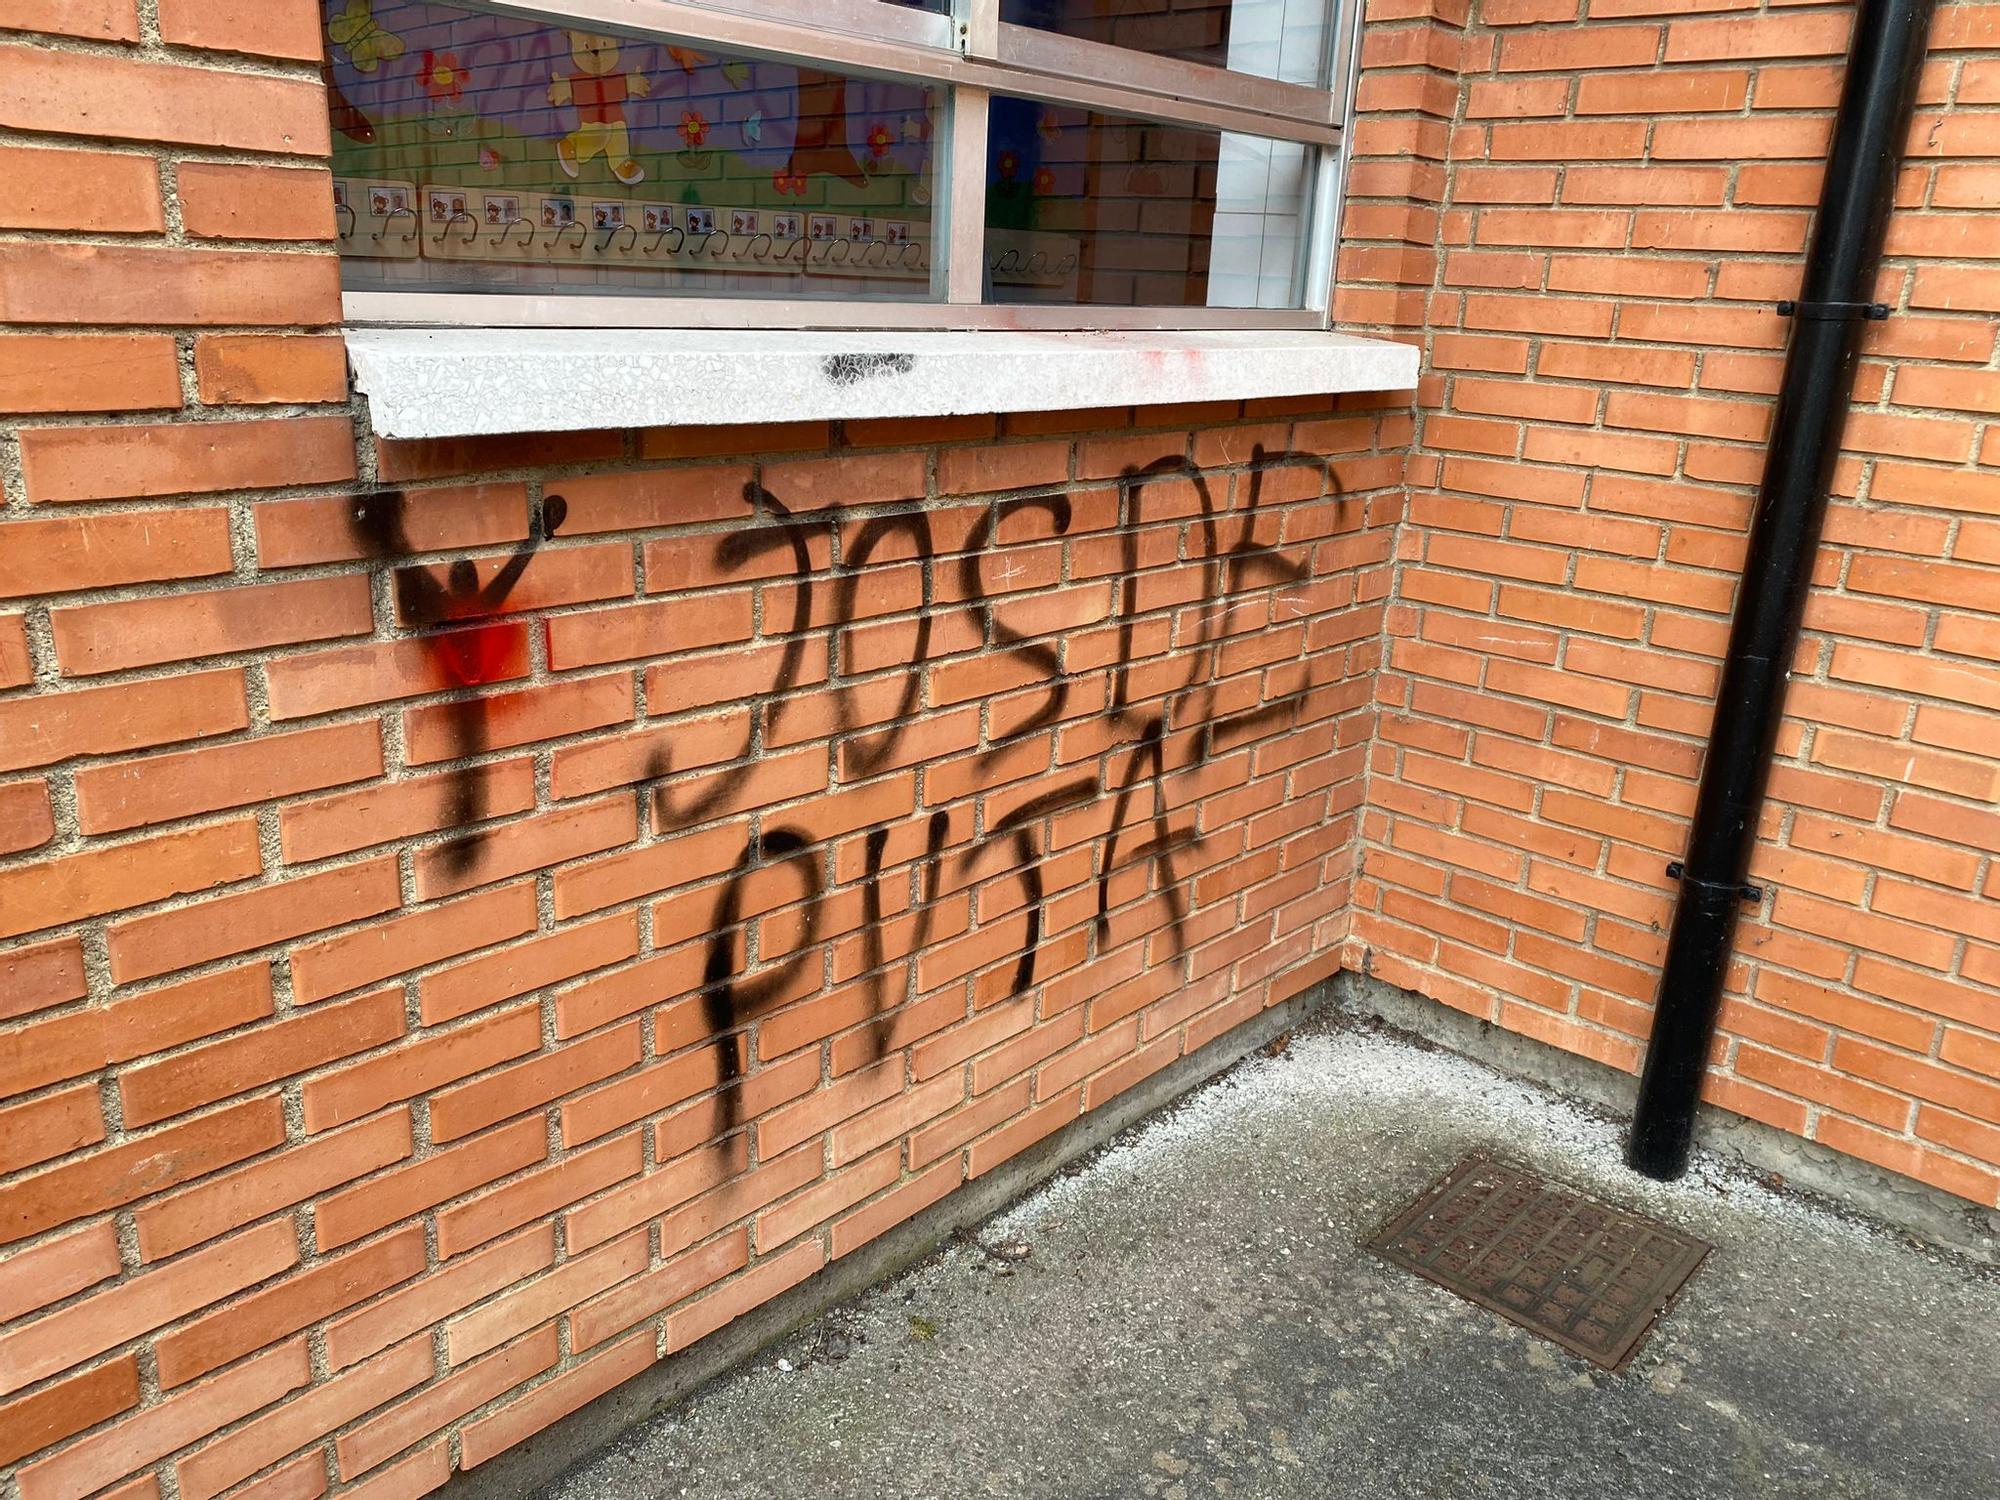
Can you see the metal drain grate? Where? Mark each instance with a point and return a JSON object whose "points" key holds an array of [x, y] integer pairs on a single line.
{"points": [[1589, 1276]]}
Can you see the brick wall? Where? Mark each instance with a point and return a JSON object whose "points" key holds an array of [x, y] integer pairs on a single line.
{"points": [[1585, 213], [475, 917]]}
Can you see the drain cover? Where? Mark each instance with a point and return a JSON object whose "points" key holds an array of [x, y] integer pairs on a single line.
{"points": [[1589, 1276]]}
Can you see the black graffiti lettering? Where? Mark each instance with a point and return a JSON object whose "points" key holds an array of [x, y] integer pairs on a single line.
{"points": [[874, 753], [728, 1001], [880, 996], [738, 548], [1018, 827], [1038, 653], [1152, 726]]}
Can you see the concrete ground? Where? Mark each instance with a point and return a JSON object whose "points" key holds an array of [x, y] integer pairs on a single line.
{"points": [[1191, 1314]]}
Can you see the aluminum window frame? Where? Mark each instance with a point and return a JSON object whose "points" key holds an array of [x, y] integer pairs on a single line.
{"points": [[969, 55]]}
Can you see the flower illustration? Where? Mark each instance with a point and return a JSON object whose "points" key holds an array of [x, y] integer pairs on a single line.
{"points": [[444, 79], [1010, 164], [789, 182], [693, 127], [1045, 181], [879, 141]]}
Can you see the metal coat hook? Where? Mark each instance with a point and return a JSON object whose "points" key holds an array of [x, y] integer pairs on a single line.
{"points": [[353, 221], [613, 232], [582, 236], [416, 223], [445, 228], [751, 244], [680, 239], [507, 232]]}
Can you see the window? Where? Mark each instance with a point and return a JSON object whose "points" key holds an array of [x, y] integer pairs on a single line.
{"points": [[1021, 163]]}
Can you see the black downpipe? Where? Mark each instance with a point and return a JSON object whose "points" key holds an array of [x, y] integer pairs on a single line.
{"points": [[1883, 63]]}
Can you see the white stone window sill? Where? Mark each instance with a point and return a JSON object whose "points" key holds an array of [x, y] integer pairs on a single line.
{"points": [[465, 382]]}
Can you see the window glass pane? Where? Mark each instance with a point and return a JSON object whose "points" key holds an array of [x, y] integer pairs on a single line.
{"points": [[1282, 39], [1100, 209], [483, 152]]}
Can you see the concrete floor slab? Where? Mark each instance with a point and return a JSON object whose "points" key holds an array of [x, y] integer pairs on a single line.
{"points": [[1191, 1314]]}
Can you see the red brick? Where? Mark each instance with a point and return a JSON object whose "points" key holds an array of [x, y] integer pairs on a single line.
{"points": [[82, 93], [253, 26], [576, 1281], [437, 1058], [567, 575], [437, 458], [143, 947], [392, 946], [285, 1306], [570, 706], [83, 1041], [160, 788], [894, 1208], [107, 463], [651, 629], [348, 677], [538, 1194], [290, 533], [425, 1470], [530, 844], [50, 1415], [267, 1054], [88, 1466], [27, 818], [99, 20], [82, 1329], [225, 201], [813, 484], [439, 1177], [438, 1405], [224, 1202], [75, 284], [212, 1469], [1578, 48], [436, 1296], [102, 880], [473, 1106], [759, 1285], [248, 369], [65, 553], [544, 961], [50, 727], [553, 1400], [1776, 36], [15, 668], [59, 372]]}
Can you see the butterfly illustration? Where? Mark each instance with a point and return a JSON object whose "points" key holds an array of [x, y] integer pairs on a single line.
{"points": [[753, 128], [366, 42], [688, 60], [737, 73]]}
